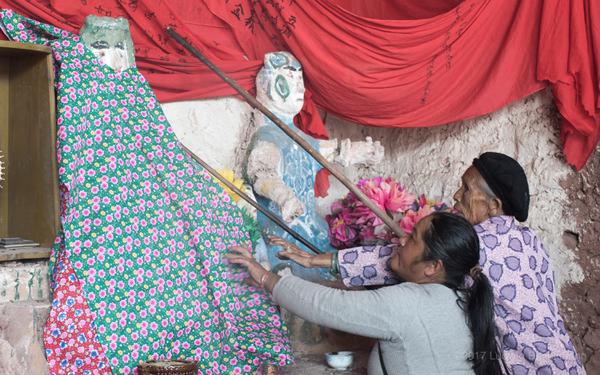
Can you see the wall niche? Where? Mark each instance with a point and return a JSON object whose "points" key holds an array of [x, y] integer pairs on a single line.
{"points": [[29, 201]]}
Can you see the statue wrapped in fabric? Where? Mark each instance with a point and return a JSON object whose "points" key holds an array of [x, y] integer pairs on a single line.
{"points": [[282, 173], [138, 272], [109, 39]]}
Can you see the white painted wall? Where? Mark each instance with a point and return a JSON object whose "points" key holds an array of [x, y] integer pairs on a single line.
{"points": [[212, 129], [427, 160]]}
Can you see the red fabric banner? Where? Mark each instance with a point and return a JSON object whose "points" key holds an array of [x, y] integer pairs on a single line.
{"points": [[393, 64]]}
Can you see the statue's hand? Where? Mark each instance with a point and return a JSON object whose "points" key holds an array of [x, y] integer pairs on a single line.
{"points": [[291, 209], [364, 152], [376, 154], [328, 148]]}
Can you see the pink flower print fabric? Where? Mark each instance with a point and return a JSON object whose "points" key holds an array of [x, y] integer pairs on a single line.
{"points": [[139, 272]]}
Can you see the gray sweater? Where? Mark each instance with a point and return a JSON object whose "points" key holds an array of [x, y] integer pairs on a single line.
{"points": [[420, 327]]}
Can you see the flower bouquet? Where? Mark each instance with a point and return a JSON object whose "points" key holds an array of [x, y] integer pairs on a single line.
{"points": [[352, 224]]}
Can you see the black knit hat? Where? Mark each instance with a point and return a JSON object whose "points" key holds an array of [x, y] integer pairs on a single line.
{"points": [[505, 176]]}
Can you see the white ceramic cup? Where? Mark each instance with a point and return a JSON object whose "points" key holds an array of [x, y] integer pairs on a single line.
{"points": [[339, 360]]}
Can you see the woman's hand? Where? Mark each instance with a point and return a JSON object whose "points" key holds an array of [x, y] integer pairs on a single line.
{"points": [[295, 254], [243, 257]]}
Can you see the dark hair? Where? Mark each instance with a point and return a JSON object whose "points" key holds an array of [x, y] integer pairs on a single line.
{"points": [[452, 239]]}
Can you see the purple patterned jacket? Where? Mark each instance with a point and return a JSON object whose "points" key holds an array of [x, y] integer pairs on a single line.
{"points": [[531, 330]]}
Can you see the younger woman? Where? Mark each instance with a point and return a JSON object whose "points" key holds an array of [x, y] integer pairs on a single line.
{"points": [[437, 322]]}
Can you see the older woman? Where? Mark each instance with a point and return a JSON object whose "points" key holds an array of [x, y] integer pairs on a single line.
{"points": [[493, 196], [430, 324]]}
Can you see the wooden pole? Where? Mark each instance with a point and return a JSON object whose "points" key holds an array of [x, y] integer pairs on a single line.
{"points": [[244, 196], [298, 139]]}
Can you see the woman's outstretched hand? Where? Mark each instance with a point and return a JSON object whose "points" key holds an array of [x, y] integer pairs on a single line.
{"points": [[243, 256], [295, 254]]}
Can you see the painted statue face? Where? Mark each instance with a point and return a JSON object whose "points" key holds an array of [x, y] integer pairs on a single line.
{"points": [[280, 85], [114, 56], [109, 39]]}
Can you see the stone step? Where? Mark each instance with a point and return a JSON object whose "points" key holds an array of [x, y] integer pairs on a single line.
{"points": [[21, 350], [314, 364]]}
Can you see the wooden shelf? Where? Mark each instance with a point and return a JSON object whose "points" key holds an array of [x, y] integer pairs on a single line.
{"points": [[29, 198], [9, 49]]}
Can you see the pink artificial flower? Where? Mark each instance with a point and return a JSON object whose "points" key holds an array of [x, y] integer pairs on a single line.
{"points": [[352, 223], [367, 235], [422, 201], [411, 218], [363, 215], [337, 207], [341, 235], [376, 190], [399, 198]]}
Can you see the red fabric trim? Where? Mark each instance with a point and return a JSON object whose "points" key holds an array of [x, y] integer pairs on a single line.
{"points": [[322, 183], [411, 64]]}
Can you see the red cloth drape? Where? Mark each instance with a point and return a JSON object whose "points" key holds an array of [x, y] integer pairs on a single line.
{"points": [[394, 64]]}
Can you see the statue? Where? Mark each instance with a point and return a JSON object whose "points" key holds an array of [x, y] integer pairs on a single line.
{"points": [[282, 173], [110, 40], [138, 271]]}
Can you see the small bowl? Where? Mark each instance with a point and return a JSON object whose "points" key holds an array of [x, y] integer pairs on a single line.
{"points": [[339, 360]]}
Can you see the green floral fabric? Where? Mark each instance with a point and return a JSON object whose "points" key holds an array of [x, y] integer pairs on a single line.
{"points": [[140, 272]]}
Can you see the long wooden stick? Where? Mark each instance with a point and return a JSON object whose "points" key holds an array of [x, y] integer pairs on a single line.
{"points": [[298, 139], [244, 196]]}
